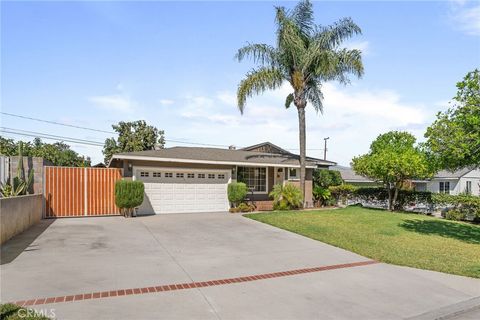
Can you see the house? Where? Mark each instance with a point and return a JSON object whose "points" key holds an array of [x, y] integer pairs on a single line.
{"points": [[350, 177], [466, 180], [195, 179]]}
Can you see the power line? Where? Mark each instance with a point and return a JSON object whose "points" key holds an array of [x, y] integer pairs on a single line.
{"points": [[102, 131], [50, 137]]}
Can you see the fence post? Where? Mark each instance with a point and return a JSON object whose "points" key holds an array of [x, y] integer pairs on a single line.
{"points": [[85, 178]]}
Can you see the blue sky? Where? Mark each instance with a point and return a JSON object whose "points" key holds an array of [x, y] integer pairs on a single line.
{"points": [[171, 63]]}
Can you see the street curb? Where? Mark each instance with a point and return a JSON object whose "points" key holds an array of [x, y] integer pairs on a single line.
{"points": [[449, 311]]}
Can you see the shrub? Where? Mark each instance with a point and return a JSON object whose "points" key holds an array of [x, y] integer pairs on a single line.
{"points": [[128, 195], [286, 197], [326, 178], [237, 191], [342, 192], [244, 207], [455, 214], [11, 311], [321, 195], [469, 205]]}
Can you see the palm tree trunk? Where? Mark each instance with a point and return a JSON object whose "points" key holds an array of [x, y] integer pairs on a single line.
{"points": [[302, 135]]}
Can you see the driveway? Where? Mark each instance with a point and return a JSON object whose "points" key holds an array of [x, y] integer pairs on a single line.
{"points": [[213, 266]]}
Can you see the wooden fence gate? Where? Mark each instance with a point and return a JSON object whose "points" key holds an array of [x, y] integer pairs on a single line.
{"points": [[77, 192]]}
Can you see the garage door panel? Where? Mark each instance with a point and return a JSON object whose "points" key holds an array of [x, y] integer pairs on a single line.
{"points": [[165, 194]]}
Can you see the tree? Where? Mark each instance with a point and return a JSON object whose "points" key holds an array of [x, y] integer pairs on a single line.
{"points": [[133, 136], [392, 160], [325, 178], [305, 56], [58, 153], [454, 137]]}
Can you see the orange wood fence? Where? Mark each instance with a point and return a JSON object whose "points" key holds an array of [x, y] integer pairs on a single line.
{"points": [[76, 192]]}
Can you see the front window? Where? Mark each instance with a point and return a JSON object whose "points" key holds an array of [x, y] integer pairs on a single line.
{"points": [[468, 189], [293, 174], [444, 187], [254, 178]]}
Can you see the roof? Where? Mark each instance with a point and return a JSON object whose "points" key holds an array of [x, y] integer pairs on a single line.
{"points": [[348, 175], [274, 148], [219, 156], [453, 175]]}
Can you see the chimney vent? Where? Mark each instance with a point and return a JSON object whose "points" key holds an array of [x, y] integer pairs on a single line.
{"points": [[232, 147]]}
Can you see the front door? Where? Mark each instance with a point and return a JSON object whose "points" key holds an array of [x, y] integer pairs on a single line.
{"points": [[279, 176]]}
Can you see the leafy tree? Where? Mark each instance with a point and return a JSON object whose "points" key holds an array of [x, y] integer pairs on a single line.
{"points": [[454, 137], [305, 56], [58, 153], [133, 136], [393, 159], [326, 178]]}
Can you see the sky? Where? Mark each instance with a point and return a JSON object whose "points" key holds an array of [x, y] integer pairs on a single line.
{"points": [[93, 64]]}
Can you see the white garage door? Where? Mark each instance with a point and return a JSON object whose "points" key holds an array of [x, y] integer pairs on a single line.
{"points": [[181, 191]]}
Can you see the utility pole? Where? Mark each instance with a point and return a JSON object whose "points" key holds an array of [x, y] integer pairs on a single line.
{"points": [[325, 148]]}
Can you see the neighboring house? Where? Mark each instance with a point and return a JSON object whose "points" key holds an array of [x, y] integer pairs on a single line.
{"points": [[193, 179], [350, 177], [466, 180]]}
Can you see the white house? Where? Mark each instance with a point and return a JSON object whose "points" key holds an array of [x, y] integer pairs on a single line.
{"points": [[466, 180]]}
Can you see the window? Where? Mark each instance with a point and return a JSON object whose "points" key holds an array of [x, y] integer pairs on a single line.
{"points": [[211, 176], [157, 174], [468, 187], [444, 187], [190, 175], [168, 175], [201, 176], [254, 178], [221, 176], [293, 174], [144, 174], [179, 175]]}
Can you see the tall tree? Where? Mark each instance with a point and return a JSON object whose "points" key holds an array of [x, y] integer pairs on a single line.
{"points": [[133, 136], [305, 55], [392, 160], [454, 137], [58, 153]]}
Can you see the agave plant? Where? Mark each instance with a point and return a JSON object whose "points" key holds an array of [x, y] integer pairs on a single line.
{"points": [[20, 186]]}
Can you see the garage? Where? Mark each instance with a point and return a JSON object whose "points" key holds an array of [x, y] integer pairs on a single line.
{"points": [[176, 190]]}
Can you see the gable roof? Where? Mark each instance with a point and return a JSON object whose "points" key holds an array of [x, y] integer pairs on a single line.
{"points": [[348, 175], [452, 175], [219, 156], [267, 146]]}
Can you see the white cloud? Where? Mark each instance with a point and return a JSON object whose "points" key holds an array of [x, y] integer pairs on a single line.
{"points": [[363, 46], [353, 117], [115, 102], [465, 15], [166, 102]]}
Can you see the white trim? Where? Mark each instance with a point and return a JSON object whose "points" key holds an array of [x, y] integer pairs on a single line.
{"points": [[266, 180], [177, 169], [233, 163], [296, 178]]}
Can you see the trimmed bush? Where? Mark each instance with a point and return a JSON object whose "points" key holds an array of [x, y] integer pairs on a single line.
{"points": [[237, 191], [128, 195], [244, 207], [286, 197], [342, 192]]}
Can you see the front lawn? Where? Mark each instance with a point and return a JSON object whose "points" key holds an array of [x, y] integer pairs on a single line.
{"points": [[398, 238]]}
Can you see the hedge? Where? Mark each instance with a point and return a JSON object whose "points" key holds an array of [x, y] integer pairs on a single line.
{"points": [[236, 191], [128, 194]]}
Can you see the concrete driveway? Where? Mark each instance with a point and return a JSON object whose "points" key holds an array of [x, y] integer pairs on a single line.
{"points": [[262, 272]]}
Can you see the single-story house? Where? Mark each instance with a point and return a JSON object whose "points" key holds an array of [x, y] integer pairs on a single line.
{"points": [[350, 177], [195, 179], [466, 180]]}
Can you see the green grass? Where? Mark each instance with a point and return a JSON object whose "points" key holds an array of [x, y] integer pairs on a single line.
{"points": [[398, 238]]}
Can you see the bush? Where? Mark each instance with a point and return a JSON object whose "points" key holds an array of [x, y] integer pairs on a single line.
{"points": [[326, 178], [468, 205], [455, 214], [244, 207], [286, 197], [321, 195], [128, 195], [10, 311], [237, 191], [342, 192]]}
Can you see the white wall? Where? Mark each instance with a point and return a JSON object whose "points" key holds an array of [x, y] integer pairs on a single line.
{"points": [[458, 186]]}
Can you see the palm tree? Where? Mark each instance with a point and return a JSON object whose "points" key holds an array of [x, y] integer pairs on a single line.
{"points": [[306, 55]]}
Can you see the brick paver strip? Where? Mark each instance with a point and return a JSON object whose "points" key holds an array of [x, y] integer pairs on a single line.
{"points": [[183, 286]]}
